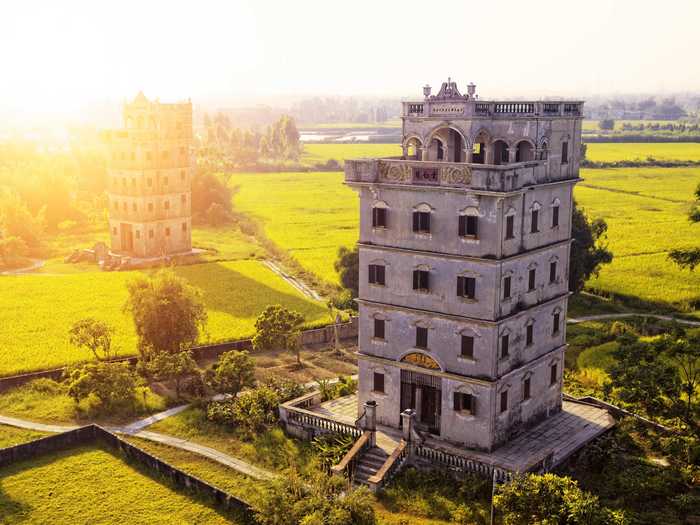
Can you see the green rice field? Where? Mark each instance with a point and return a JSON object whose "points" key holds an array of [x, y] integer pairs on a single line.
{"points": [[320, 153], [615, 152], [103, 489], [37, 310]]}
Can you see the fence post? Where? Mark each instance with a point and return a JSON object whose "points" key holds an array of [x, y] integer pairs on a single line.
{"points": [[370, 421]]}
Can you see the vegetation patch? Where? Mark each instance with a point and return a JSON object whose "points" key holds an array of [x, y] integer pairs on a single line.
{"points": [[11, 436], [234, 295], [90, 485]]}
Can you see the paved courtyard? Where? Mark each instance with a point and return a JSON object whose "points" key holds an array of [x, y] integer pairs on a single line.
{"points": [[563, 434]]}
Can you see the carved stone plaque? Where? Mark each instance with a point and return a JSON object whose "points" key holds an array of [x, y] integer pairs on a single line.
{"points": [[456, 175], [421, 360], [394, 172]]}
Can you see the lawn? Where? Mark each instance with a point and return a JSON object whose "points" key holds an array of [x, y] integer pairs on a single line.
{"points": [[612, 152], [321, 153], [37, 310], [271, 450], [310, 215], [11, 436], [646, 212], [47, 401], [102, 489]]}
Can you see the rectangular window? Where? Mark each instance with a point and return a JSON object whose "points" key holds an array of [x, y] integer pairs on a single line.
{"points": [[463, 402], [506, 287], [166, 205], [114, 231], [510, 227], [421, 222], [167, 232], [379, 218], [555, 216], [378, 382], [505, 342], [182, 174], [552, 271], [421, 337], [468, 346], [184, 226], [534, 223], [421, 280], [555, 324], [165, 181], [149, 181], [133, 206], [466, 287], [138, 234], [379, 328], [377, 274], [504, 400], [468, 225], [150, 234], [150, 206], [526, 389], [553, 375], [564, 152], [529, 334], [531, 279]]}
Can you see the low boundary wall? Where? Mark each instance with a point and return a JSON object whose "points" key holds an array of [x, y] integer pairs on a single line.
{"points": [[94, 434], [315, 336]]}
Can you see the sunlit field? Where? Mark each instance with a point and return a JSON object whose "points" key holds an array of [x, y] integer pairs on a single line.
{"points": [[645, 209], [37, 310], [611, 152], [308, 214], [102, 489], [321, 153]]}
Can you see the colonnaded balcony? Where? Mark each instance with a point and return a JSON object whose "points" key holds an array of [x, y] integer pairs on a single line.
{"points": [[439, 107], [488, 177]]}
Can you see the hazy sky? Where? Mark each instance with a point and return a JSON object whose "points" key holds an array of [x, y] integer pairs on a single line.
{"points": [[64, 55]]}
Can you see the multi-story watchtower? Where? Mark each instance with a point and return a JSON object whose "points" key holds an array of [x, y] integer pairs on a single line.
{"points": [[464, 259], [149, 179]]}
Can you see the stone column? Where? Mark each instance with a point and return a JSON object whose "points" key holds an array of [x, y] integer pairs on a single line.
{"points": [[468, 154], [511, 154], [488, 153], [370, 421], [404, 150], [408, 417], [422, 153], [445, 153]]}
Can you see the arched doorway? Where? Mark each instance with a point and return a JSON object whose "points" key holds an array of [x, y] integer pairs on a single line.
{"points": [[413, 149], [500, 152], [524, 152], [447, 145]]}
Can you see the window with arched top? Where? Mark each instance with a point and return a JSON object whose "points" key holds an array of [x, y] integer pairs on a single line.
{"points": [[535, 217], [504, 343], [421, 218], [556, 321], [468, 225], [529, 332], [555, 213], [464, 401], [380, 215], [510, 223]]}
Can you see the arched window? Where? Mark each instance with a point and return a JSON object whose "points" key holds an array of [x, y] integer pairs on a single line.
{"points": [[535, 217], [524, 151], [469, 222], [380, 215], [500, 152], [510, 223], [421, 218]]}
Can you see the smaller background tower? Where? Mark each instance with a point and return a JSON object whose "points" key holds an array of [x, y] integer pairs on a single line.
{"points": [[149, 173]]}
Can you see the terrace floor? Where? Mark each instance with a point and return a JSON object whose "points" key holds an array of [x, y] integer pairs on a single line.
{"points": [[563, 434]]}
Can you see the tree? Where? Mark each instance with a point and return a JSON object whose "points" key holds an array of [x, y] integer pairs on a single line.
{"points": [[588, 250], [642, 377], [684, 352], [319, 499], [17, 221], [278, 329], [94, 335], [12, 251], [689, 258], [234, 372], [549, 499], [168, 313], [167, 366], [347, 265], [607, 124], [211, 198], [113, 384]]}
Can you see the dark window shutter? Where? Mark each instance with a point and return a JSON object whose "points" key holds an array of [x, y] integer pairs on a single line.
{"points": [[504, 345], [375, 217], [462, 225], [378, 382], [552, 271], [427, 222], [471, 287], [416, 279], [457, 401], [555, 216], [529, 334], [416, 221], [372, 277], [510, 226], [467, 346], [472, 403], [534, 227], [553, 374], [504, 401], [381, 275], [425, 280], [506, 287], [531, 279], [460, 286], [472, 225], [379, 328]]}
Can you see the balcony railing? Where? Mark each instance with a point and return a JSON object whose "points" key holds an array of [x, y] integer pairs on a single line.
{"points": [[495, 109], [488, 177]]}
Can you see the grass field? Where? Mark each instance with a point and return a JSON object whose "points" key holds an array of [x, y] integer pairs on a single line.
{"points": [[320, 153], [102, 490], [37, 310], [11, 436], [645, 209], [310, 215], [612, 152], [393, 123]]}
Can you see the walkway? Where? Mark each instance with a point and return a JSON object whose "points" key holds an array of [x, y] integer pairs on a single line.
{"points": [[36, 264], [602, 317]]}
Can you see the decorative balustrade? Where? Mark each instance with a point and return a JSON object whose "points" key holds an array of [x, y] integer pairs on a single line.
{"points": [[319, 424], [461, 463], [495, 109], [349, 461], [514, 107], [509, 177], [391, 466], [415, 109]]}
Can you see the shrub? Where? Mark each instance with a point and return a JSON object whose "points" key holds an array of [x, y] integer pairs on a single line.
{"points": [[286, 389], [277, 328], [251, 412], [344, 386], [331, 448], [113, 385], [234, 371]]}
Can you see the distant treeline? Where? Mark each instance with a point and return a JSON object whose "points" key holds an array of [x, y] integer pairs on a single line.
{"points": [[639, 137]]}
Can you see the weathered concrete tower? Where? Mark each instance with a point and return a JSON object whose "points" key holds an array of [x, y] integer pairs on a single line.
{"points": [[464, 257], [149, 179]]}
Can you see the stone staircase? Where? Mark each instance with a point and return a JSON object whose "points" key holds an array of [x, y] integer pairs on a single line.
{"points": [[368, 464]]}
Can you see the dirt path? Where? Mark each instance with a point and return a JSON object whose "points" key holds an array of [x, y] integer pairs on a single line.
{"points": [[36, 264], [603, 317], [293, 281]]}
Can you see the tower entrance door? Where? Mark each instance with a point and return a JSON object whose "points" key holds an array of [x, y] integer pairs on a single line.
{"points": [[127, 237], [422, 393]]}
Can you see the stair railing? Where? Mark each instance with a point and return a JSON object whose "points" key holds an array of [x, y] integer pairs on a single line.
{"points": [[349, 462], [390, 467]]}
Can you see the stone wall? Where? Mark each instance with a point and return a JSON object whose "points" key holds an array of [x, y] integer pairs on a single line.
{"points": [[94, 434]]}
